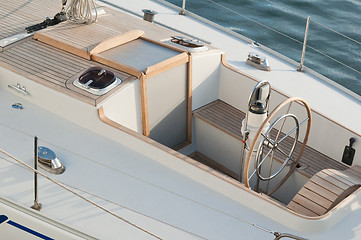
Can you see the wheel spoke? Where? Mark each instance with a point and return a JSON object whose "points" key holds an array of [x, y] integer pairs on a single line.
{"points": [[285, 154], [294, 129], [268, 140], [276, 143], [281, 151], [283, 122], [264, 158], [271, 150]]}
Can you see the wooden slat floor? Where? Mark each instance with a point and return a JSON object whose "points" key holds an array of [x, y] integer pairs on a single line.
{"points": [[325, 190], [114, 23], [52, 66], [228, 119], [212, 164], [15, 15]]}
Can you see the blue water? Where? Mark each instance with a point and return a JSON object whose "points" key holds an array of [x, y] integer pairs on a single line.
{"points": [[289, 17]]}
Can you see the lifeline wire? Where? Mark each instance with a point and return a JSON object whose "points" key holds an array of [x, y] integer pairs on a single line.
{"points": [[106, 210], [109, 201], [261, 24], [115, 215], [293, 39], [84, 198], [341, 34]]}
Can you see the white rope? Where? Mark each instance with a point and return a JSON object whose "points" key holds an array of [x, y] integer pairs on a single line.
{"points": [[109, 201], [22, 164], [26, 166], [81, 11], [76, 194]]}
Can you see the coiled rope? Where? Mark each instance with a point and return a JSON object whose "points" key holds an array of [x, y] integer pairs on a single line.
{"points": [[82, 11]]}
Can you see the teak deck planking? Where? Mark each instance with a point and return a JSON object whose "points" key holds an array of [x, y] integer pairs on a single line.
{"points": [[325, 190], [330, 181], [55, 66], [228, 119]]}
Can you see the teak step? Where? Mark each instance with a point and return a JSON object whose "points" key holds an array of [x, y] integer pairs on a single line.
{"points": [[325, 190], [229, 119]]}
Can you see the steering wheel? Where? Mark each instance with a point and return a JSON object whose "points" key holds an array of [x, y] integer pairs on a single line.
{"points": [[270, 144]]}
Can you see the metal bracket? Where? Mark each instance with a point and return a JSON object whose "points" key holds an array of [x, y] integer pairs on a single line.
{"points": [[19, 88]]}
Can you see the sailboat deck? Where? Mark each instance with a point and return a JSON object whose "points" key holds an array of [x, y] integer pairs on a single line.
{"points": [[325, 190], [53, 68], [16, 15], [53, 61], [228, 119]]}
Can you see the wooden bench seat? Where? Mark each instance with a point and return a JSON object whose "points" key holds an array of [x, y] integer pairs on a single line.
{"points": [[325, 190], [229, 119]]}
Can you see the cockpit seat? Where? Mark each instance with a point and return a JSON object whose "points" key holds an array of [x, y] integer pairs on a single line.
{"points": [[325, 190]]}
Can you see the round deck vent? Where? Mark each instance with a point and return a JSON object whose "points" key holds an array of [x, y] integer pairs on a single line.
{"points": [[48, 161]]}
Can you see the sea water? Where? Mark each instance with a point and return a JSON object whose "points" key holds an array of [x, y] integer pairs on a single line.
{"points": [[334, 38]]}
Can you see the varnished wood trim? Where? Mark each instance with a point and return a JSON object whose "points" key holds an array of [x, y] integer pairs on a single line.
{"points": [[189, 99], [316, 197], [166, 65], [210, 162], [203, 167], [144, 105], [116, 41], [225, 64], [117, 65], [56, 87], [258, 134], [182, 145], [61, 45], [162, 44], [108, 121]]}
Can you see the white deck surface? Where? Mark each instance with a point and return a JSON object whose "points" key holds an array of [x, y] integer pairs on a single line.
{"points": [[284, 77], [153, 195], [145, 192], [171, 205]]}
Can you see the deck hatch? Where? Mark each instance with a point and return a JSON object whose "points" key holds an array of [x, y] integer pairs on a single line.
{"points": [[97, 80], [188, 44]]}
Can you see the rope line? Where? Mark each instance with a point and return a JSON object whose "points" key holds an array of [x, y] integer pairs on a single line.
{"points": [[343, 35], [261, 24], [81, 11], [303, 16], [287, 9], [334, 59], [109, 201], [291, 38], [78, 195], [24, 165]]}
